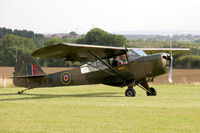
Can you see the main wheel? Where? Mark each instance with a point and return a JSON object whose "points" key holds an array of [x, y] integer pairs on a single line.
{"points": [[153, 92], [130, 92], [19, 92]]}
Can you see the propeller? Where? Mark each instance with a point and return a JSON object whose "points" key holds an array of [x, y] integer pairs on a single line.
{"points": [[170, 60]]}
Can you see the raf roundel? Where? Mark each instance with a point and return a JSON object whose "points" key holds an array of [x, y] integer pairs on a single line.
{"points": [[66, 78]]}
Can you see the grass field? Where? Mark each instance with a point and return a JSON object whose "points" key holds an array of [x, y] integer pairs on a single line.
{"points": [[89, 109]]}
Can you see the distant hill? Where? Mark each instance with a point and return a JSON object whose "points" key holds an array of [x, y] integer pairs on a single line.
{"points": [[160, 32], [183, 37]]}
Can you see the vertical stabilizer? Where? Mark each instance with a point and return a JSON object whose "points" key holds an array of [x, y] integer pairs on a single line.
{"points": [[27, 67]]}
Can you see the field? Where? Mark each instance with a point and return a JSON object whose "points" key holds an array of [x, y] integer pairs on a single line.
{"points": [[101, 109]]}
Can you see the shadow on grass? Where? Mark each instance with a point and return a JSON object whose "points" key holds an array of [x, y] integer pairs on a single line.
{"points": [[46, 96]]}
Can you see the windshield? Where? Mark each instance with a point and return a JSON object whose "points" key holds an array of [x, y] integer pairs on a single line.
{"points": [[135, 53], [139, 51]]}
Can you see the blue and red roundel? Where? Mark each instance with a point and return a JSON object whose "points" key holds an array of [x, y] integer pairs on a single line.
{"points": [[66, 78]]}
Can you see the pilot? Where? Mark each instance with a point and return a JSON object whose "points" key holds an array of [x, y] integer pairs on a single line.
{"points": [[122, 60]]}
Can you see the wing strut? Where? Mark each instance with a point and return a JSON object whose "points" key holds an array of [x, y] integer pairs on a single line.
{"points": [[116, 73]]}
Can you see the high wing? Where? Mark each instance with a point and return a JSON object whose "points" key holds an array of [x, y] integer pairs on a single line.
{"points": [[167, 50], [78, 52], [82, 52]]}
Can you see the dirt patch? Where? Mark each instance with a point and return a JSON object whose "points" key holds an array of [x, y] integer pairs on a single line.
{"points": [[180, 76]]}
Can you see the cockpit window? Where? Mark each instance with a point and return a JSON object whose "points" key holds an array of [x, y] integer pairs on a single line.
{"points": [[139, 51], [135, 53]]}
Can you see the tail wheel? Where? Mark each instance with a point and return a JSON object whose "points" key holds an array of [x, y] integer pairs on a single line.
{"points": [[153, 92], [130, 92]]}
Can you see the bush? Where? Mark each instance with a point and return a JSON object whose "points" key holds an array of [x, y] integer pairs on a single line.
{"points": [[188, 61]]}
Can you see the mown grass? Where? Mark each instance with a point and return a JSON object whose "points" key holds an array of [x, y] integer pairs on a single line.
{"points": [[100, 108]]}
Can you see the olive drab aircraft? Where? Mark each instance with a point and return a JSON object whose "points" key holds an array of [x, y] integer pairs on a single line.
{"points": [[114, 66]]}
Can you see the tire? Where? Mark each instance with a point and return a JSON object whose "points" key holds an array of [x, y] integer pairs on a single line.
{"points": [[19, 92], [153, 92], [130, 92]]}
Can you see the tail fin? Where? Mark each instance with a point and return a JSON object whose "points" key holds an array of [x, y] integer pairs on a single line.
{"points": [[26, 66]]}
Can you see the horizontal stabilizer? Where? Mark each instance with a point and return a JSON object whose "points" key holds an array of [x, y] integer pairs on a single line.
{"points": [[26, 76]]}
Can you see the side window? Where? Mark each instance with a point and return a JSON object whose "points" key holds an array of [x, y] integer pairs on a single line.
{"points": [[93, 66]]}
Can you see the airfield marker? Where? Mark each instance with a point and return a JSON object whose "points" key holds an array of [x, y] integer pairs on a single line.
{"points": [[4, 81]]}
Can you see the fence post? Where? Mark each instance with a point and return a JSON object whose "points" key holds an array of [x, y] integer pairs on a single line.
{"points": [[4, 81]]}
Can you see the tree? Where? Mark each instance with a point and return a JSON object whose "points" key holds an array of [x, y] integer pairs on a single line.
{"points": [[4, 31], [52, 41], [188, 61], [11, 44], [98, 36], [72, 33], [37, 38]]}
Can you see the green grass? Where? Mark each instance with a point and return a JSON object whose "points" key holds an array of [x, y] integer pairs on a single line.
{"points": [[89, 109]]}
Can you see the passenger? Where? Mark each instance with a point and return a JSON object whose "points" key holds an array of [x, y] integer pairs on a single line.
{"points": [[115, 62]]}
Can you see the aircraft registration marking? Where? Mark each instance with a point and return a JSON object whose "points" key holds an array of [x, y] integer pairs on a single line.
{"points": [[121, 68], [66, 78]]}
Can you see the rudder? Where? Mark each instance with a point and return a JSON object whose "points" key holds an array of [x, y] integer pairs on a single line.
{"points": [[26, 66]]}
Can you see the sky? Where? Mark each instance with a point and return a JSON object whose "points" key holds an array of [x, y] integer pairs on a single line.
{"points": [[63, 16]]}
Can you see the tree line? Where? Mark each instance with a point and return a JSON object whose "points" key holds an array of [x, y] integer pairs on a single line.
{"points": [[18, 42]]}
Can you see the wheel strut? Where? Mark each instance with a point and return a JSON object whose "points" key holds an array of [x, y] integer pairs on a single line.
{"points": [[149, 90], [20, 92]]}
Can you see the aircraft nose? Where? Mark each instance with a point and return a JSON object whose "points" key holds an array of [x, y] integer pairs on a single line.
{"points": [[156, 64], [161, 64], [165, 59]]}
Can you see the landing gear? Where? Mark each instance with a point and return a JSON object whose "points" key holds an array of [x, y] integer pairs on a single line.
{"points": [[20, 92], [130, 92], [153, 92], [149, 91]]}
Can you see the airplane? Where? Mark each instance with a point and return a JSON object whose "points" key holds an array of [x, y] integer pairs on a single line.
{"points": [[114, 66]]}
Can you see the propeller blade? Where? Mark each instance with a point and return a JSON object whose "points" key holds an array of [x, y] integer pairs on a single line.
{"points": [[170, 69], [170, 61]]}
